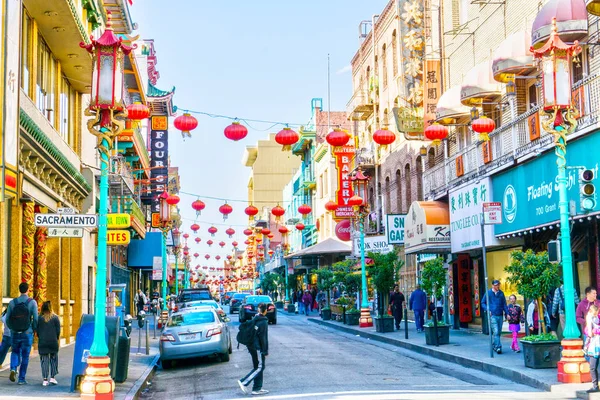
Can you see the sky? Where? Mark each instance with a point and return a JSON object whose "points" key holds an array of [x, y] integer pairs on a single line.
{"points": [[262, 60]]}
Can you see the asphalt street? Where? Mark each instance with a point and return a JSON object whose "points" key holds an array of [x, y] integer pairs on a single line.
{"points": [[307, 361]]}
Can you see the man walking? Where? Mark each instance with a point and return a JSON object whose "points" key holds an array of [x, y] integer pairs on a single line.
{"points": [[140, 300], [259, 350], [583, 307], [558, 308], [497, 309], [397, 302], [22, 319], [418, 303]]}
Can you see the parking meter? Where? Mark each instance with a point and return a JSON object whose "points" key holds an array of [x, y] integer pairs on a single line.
{"points": [[141, 317], [127, 323]]}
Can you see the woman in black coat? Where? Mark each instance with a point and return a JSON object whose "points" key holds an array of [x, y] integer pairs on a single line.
{"points": [[48, 339]]}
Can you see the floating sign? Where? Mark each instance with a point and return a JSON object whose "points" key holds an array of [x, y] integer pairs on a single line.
{"points": [[118, 221], [118, 238], [66, 220], [492, 213], [65, 232], [394, 228]]}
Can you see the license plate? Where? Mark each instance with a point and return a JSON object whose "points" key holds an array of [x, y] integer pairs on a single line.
{"points": [[190, 336]]}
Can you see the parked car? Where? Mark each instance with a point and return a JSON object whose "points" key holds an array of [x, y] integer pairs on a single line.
{"points": [[226, 298], [250, 304], [201, 293], [203, 303], [236, 301], [198, 332]]}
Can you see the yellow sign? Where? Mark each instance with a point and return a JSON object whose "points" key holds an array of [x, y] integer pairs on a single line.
{"points": [[156, 220], [118, 221], [118, 238], [160, 123]]}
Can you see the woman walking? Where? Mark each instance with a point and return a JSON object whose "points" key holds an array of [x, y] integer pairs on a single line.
{"points": [[48, 334], [515, 317], [592, 344]]}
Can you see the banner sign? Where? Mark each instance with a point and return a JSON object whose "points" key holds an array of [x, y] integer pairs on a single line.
{"points": [[159, 158], [432, 90], [394, 228], [343, 164], [464, 289]]}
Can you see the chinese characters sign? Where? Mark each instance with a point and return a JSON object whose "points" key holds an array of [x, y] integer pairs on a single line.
{"points": [[533, 123], [432, 90], [159, 158], [343, 163], [464, 289], [65, 232]]}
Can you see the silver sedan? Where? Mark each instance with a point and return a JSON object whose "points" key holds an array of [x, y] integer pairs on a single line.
{"points": [[198, 332]]}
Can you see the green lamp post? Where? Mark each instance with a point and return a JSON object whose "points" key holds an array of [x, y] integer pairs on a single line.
{"points": [[176, 250]]}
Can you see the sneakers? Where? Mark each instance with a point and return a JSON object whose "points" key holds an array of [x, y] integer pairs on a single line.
{"points": [[13, 375], [593, 390], [499, 350], [243, 387], [259, 392], [53, 381], [45, 383], [22, 383]]}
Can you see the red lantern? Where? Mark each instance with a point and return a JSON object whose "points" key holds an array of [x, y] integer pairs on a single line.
{"points": [[258, 240], [337, 138], [234, 243], [173, 200], [185, 123], [222, 244], [331, 206], [196, 255], [286, 137], [186, 253], [436, 132], [270, 253], [251, 211], [195, 228], [247, 232], [304, 209], [265, 231], [236, 131], [355, 201], [247, 243], [138, 111], [300, 226], [283, 229], [270, 236], [198, 240], [229, 256], [212, 230], [383, 137], [484, 126], [230, 232], [209, 242], [207, 256], [278, 212], [225, 209], [217, 258], [198, 205], [240, 257], [186, 235]]}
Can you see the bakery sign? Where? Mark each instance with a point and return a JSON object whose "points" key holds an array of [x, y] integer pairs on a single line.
{"points": [[344, 158], [427, 228]]}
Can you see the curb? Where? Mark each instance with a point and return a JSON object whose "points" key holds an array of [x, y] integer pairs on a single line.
{"points": [[502, 372], [142, 381]]}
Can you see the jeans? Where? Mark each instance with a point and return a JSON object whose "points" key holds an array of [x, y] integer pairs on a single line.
{"points": [[307, 309], [301, 307], [496, 330], [256, 375], [4, 346], [419, 319], [594, 371], [21, 347]]}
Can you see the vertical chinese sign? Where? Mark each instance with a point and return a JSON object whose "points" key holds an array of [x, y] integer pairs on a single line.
{"points": [[159, 159], [465, 307], [344, 160], [432, 90]]}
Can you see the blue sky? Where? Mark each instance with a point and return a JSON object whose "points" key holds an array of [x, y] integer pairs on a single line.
{"points": [[262, 59]]}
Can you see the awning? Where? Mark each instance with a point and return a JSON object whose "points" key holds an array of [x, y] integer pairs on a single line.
{"points": [[427, 228], [327, 246], [479, 86], [513, 57], [571, 21], [141, 253], [449, 107]]}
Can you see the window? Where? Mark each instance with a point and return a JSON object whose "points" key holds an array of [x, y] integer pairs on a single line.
{"points": [[65, 125], [532, 96], [407, 185], [579, 68], [398, 192], [25, 33], [394, 54], [431, 158], [464, 11], [46, 81], [388, 196], [384, 65], [326, 183], [320, 187], [419, 168]]}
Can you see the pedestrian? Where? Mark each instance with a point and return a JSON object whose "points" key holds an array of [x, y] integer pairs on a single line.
{"points": [[321, 300], [335, 294], [22, 319], [534, 319], [275, 296], [417, 302], [313, 294], [497, 309], [584, 307], [439, 308], [558, 308], [48, 332], [592, 344], [396, 302], [140, 300], [515, 318], [6, 339], [258, 351], [549, 301], [307, 301]]}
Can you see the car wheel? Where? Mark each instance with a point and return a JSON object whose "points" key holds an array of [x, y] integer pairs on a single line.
{"points": [[230, 348], [224, 357], [166, 364]]}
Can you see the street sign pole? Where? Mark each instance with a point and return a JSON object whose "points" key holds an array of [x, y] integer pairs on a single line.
{"points": [[492, 214]]}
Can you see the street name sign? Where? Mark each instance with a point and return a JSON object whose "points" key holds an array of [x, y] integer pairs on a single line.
{"points": [[118, 221], [66, 220], [118, 238], [65, 232], [492, 213]]}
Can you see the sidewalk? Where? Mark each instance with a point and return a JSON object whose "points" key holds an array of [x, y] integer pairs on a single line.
{"points": [[141, 369], [470, 350]]}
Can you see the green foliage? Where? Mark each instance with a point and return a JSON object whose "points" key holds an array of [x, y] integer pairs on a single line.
{"points": [[325, 279], [439, 324], [292, 282], [353, 311], [345, 277], [532, 273], [383, 274], [352, 283], [540, 338], [343, 301], [433, 277], [270, 282]]}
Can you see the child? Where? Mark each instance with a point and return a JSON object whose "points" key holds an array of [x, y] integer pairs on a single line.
{"points": [[515, 317], [48, 334], [592, 344]]}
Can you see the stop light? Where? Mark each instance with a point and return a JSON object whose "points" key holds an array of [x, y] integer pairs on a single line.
{"points": [[587, 190]]}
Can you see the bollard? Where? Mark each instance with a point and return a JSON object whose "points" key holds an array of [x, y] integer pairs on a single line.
{"points": [[139, 340], [154, 337], [405, 322], [147, 341]]}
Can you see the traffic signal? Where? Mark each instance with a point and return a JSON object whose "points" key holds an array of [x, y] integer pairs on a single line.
{"points": [[587, 190]]}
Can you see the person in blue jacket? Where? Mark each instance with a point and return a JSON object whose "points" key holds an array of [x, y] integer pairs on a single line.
{"points": [[497, 309], [418, 303]]}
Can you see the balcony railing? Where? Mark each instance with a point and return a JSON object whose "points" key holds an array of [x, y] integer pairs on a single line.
{"points": [[360, 106], [509, 143], [121, 175]]}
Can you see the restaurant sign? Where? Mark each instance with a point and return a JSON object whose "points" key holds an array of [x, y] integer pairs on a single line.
{"points": [[427, 227]]}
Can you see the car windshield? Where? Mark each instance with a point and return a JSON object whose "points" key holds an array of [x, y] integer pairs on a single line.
{"points": [[258, 299], [193, 318], [240, 295], [210, 303], [194, 296]]}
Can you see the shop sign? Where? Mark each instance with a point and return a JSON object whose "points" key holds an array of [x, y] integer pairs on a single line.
{"points": [[118, 221], [422, 231], [451, 290], [373, 244], [464, 289], [529, 192], [159, 156], [409, 120], [344, 159], [157, 268], [465, 217], [343, 230], [118, 238], [394, 228], [432, 90]]}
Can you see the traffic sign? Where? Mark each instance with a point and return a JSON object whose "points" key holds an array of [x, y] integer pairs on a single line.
{"points": [[118, 238], [66, 220], [492, 213], [65, 232], [118, 221]]}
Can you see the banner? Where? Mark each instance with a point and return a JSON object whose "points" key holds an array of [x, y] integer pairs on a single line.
{"points": [[159, 158], [432, 90], [464, 289], [344, 160]]}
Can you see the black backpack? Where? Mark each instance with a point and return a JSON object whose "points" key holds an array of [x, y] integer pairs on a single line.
{"points": [[20, 317], [246, 333]]}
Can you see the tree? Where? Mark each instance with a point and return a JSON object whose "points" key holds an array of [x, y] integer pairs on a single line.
{"points": [[433, 277], [533, 275], [270, 282], [383, 273], [326, 281]]}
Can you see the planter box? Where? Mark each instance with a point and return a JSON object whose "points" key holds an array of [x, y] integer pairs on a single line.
{"points": [[279, 305], [443, 335], [326, 315], [291, 309], [352, 319], [383, 324], [541, 354]]}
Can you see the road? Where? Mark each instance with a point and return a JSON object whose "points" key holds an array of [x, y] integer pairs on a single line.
{"points": [[308, 361]]}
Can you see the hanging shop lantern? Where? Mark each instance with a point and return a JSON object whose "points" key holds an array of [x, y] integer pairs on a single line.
{"points": [[207, 256], [436, 133], [265, 231], [185, 123], [225, 209], [198, 206], [337, 138], [197, 240], [278, 212], [258, 239], [283, 230], [222, 244], [304, 209], [355, 201], [229, 256], [236, 131], [138, 111], [212, 230], [287, 137], [270, 252], [164, 208], [247, 232], [300, 226], [331, 206], [230, 232], [186, 235], [240, 257], [195, 228], [209, 242], [186, 253], [234, 243], [384, 137], [251, 211], [196, 255], [247, 243], [217, 257], [271, 236], [483, 126], [173, 200]]}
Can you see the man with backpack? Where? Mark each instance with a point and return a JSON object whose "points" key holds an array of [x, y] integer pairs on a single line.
{"points": [[255, 335], [558, 308], [22, 319]]}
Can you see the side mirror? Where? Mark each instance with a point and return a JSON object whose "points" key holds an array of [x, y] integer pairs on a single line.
{"points": [[227, 319]]}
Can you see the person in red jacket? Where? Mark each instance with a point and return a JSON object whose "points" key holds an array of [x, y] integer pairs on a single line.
{"points": [[584, 306]]}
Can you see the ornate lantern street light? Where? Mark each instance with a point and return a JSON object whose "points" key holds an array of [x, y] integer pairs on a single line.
{"points": [[176, 250]]}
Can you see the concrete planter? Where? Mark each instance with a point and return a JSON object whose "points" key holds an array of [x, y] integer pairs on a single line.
{"points": [[543, 354], [352, 318], [384, 324], [326, 315], [443, 335]]}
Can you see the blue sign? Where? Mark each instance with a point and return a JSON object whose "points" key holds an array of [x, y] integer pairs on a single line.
{"points": [[529, 192]]}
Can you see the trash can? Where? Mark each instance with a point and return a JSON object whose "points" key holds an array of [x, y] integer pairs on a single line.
{"points": [[83, 342], [123, 350], [112, 326]]}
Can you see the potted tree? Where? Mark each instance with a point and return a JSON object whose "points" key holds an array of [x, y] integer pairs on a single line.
{"points": [[326, 282], [352, 316], [534, 275], [433, 279], [383, 272]]}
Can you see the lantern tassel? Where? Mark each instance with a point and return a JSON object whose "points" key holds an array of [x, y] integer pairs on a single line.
{"points": [[484, 137]]}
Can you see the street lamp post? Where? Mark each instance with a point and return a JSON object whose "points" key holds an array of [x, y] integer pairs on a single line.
{"points": [[361, 212], [107, 110], [555, 61], [176, 249]]}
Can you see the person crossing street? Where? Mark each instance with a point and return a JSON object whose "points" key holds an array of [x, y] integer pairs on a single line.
{"points": [[259, 350]]}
